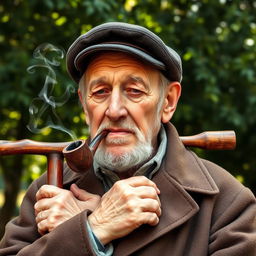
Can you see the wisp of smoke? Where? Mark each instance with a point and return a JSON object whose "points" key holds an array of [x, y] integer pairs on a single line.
{"points": [[48, 56]]}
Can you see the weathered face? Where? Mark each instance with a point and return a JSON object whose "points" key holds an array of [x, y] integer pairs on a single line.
{"points": [[122, 95]]}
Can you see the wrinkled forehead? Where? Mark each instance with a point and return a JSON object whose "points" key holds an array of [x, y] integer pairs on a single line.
{"points": [[121, 65], [116, 59]]}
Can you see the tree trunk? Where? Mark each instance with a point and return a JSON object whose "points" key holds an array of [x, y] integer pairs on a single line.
{"points": [[12, 173], [12, 168]]}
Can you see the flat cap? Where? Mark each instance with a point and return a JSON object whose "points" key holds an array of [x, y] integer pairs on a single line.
{"points": [[123, 37]]}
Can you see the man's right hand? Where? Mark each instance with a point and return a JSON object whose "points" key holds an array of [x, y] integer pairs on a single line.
{"points": [[126, 206], [56, 205]]}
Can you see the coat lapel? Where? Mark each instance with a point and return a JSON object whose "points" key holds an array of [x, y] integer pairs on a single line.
{"points": [[185, 167]]}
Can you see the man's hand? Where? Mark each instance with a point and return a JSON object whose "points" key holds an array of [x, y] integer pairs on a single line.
{"points": [[55, 205], [126, 206]]}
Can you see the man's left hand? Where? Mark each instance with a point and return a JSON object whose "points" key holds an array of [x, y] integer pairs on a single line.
{"points": [[55, 205]]}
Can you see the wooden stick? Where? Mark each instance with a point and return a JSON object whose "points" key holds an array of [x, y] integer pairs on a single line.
{"points": [[53, 150], [207, 140], [55, 169], [217, 140]]}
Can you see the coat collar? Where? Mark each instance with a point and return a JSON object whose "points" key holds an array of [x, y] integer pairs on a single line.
{"points": [[185, 167]]}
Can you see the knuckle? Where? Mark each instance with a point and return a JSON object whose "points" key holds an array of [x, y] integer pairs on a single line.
{"points": [[51, 226], [41, 225], [127, 195], [151, 191], [66, 194], [131, 205], [155, 204], [118, 185], [38, 193], [51, 220], [132, 220], [36, 207], [43, 187], [59, 203], [155, 220], [50, 229], [152, 219], [156, 207], [144, 178], [152, 184]]}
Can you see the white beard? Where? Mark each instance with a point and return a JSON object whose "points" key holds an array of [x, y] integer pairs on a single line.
{"points": [[139, 154]]}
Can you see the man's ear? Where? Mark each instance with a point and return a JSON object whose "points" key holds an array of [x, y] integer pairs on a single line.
{"points": [[172, 96], [80, 96], [84, 106]]}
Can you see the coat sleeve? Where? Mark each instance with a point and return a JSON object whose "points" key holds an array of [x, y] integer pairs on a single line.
{"points": [[233, 232], [21, 236]]}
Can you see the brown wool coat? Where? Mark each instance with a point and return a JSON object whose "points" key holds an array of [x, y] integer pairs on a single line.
{"points": [[205, 211]]}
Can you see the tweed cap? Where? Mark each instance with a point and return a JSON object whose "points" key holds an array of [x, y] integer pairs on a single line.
{"points": [[123, 37]]}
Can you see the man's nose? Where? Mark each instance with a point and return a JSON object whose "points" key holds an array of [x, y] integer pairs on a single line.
{"points": [[116, 107]]}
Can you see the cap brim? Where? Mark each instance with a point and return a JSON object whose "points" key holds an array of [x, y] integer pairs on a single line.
{"points": [[81, 63]]}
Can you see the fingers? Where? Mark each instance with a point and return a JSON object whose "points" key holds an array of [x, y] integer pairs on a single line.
{"points": [[137, 181], [41, 216], [46, 222], [42, 223], [130, 189], [147, 192], [149, 218], [48, 196], [151, 205], [41, 205], [75, 190], [55, 205], [42, 227], [47, 191], [138, 205]]}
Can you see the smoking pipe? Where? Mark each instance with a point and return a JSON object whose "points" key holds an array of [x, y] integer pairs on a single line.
{"points": [[79, 155]]}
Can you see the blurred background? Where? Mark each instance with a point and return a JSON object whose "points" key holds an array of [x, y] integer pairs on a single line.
{"points": [[215, 38]]}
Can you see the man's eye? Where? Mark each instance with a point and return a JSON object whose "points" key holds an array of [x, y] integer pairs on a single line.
{"points": [[134, 92], [101, 92]]}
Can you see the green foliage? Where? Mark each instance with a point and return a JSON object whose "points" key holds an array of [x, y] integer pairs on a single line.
{"points": [[216, 39]]}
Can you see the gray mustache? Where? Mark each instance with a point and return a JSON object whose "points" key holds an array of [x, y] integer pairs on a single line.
{"points": [[120, 124]]}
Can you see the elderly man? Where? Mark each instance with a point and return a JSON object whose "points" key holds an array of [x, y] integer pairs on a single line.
{"points": [[146, 193]]}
